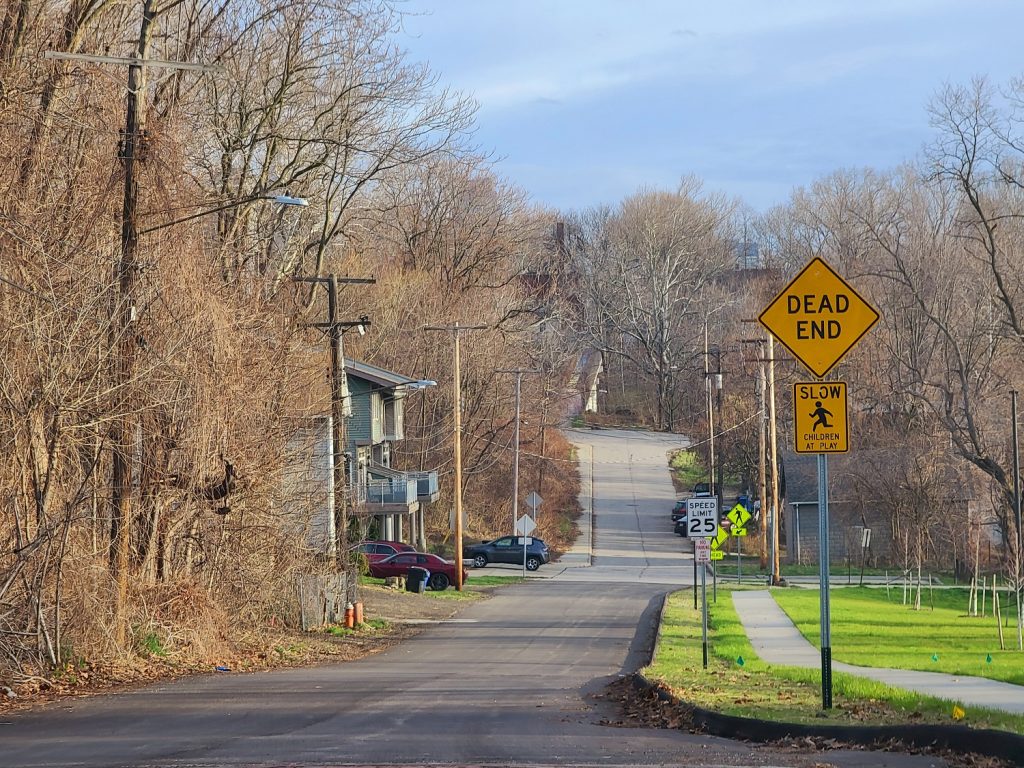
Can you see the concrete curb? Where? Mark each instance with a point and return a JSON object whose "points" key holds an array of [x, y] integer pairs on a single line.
{"points": [[656, 645], [958, 738]]}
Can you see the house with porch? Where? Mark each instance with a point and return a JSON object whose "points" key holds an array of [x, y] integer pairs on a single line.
{"points": [[390, 498], [388, 502]]}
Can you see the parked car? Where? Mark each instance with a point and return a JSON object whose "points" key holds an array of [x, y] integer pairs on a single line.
{"points": [[378, 549], [508, 549], [442, 572], [679, 510], [702, 489], [680, 527]]}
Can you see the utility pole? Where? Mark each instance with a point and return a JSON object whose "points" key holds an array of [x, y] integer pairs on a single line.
{"points": [[719, 463], [126, 273], [710, 410], [338, 507], [773, 443], [1016, 509], [762, 385], [456, 332], [762, 448], [515, 461]]}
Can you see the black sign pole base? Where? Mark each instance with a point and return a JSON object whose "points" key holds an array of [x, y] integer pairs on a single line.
{"points": [[704, 613], [826, 678]]}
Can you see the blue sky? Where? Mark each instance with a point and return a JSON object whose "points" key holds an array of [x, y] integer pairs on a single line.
{"points": [[586, 101]]}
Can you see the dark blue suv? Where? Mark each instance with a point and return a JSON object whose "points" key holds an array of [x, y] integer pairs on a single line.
{"points": [[507, 549]]}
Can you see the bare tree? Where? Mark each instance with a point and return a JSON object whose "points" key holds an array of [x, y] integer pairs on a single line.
{"points": [[644, 270]]}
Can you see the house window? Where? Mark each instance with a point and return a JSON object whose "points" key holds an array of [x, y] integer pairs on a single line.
{"points": [[377, 416], [363, 459]]}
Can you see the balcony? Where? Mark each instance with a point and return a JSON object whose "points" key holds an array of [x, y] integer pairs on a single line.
{"points": [[392, 490], [426, 486]]}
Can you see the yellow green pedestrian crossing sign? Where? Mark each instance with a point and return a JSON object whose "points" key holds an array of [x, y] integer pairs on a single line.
{"points": [[718, 540], [738, 516]]}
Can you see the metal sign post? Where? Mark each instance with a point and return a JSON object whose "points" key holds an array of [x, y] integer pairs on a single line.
{"points": [[702, 555], [695, 574], [739, 559], [826, 623]]}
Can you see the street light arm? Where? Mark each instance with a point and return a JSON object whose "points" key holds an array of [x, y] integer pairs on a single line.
{"points": [[279, 199]]}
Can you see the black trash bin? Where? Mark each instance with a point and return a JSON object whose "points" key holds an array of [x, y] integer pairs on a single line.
{"points": [[416, 579]]}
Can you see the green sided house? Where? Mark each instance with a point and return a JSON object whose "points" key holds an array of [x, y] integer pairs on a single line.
{"points": [[390, 498], [387, 502]]}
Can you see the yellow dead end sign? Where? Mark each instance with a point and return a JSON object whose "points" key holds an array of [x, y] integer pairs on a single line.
{"points": [[818, 317], [820, 417]]}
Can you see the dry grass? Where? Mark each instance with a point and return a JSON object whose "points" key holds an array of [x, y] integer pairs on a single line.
{"points": [[189, 635]]}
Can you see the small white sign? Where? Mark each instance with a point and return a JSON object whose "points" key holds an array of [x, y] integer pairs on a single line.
{"points": [[525, 525], [702, 550], [534, 500], [702, 517], [451, 519]]}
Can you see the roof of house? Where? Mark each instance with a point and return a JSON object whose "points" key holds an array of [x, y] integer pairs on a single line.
{"points": [[801, 476], [379, 376]]}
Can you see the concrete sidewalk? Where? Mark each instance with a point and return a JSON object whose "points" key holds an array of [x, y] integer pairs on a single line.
{"points": [[777, 641]]}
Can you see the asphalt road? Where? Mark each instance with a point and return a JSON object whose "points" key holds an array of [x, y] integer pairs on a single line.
{"points": [[512, 681]]}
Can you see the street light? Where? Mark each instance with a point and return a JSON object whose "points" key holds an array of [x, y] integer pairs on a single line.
{"points": [[515, 462], [299, 202]]}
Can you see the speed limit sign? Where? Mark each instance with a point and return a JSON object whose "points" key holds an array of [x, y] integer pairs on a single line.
{"points": [[702, 517]]}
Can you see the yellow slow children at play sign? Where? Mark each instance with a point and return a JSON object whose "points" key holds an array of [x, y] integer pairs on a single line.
{"points": [[820, 417]]}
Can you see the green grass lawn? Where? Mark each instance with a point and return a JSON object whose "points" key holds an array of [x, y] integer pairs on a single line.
{"points": [[757, 689], [688, 468], [472, 586], [874, 630]]}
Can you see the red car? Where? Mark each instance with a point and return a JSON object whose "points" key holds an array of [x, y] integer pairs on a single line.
{"points": [[442, 572], [379, 549]]}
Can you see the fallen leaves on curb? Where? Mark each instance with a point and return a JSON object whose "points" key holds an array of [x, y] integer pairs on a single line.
{"points": [[655, 708]]}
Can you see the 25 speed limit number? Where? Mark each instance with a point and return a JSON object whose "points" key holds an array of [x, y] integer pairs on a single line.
{"points": [[702, 517]]}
